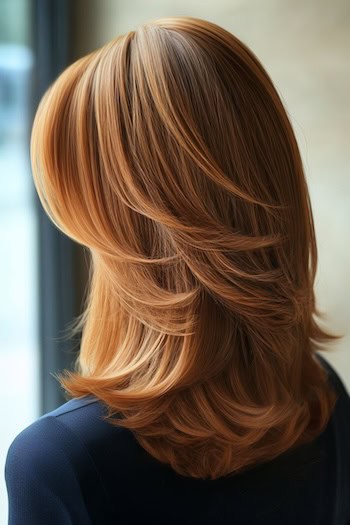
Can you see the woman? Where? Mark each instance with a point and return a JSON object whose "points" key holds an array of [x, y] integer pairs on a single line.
{"points": [[198, 395]]}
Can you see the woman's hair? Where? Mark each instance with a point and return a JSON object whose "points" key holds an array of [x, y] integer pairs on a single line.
{"points": [[168, 153]]}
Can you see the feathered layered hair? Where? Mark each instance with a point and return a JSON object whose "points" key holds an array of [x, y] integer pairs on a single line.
{"points": [[169, 155]]}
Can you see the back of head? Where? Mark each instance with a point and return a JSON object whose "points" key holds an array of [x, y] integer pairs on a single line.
{"points": [[169, 154]]}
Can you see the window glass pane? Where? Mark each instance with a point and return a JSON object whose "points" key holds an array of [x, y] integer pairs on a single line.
{"points": [[19, 341]]}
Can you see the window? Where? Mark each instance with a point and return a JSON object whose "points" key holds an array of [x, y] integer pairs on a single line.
{"points": [[19, 349]]}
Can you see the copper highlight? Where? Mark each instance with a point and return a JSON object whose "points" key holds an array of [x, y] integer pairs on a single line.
{"points": [[168, 154]]}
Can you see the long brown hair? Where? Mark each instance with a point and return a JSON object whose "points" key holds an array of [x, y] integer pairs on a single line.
{"points": [[168, 153]]}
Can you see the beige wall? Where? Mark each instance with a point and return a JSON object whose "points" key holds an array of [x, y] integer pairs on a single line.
{"points": [[304, 46]]}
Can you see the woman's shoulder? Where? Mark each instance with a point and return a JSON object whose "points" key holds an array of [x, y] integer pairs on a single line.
{"points": [[49, 470], [70, 424], [334, 377]]}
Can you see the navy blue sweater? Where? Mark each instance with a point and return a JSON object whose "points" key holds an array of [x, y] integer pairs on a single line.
{"points": [[71, 467]]}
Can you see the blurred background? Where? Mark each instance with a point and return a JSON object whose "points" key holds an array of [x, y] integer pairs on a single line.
{"points": [[303, 44]]}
